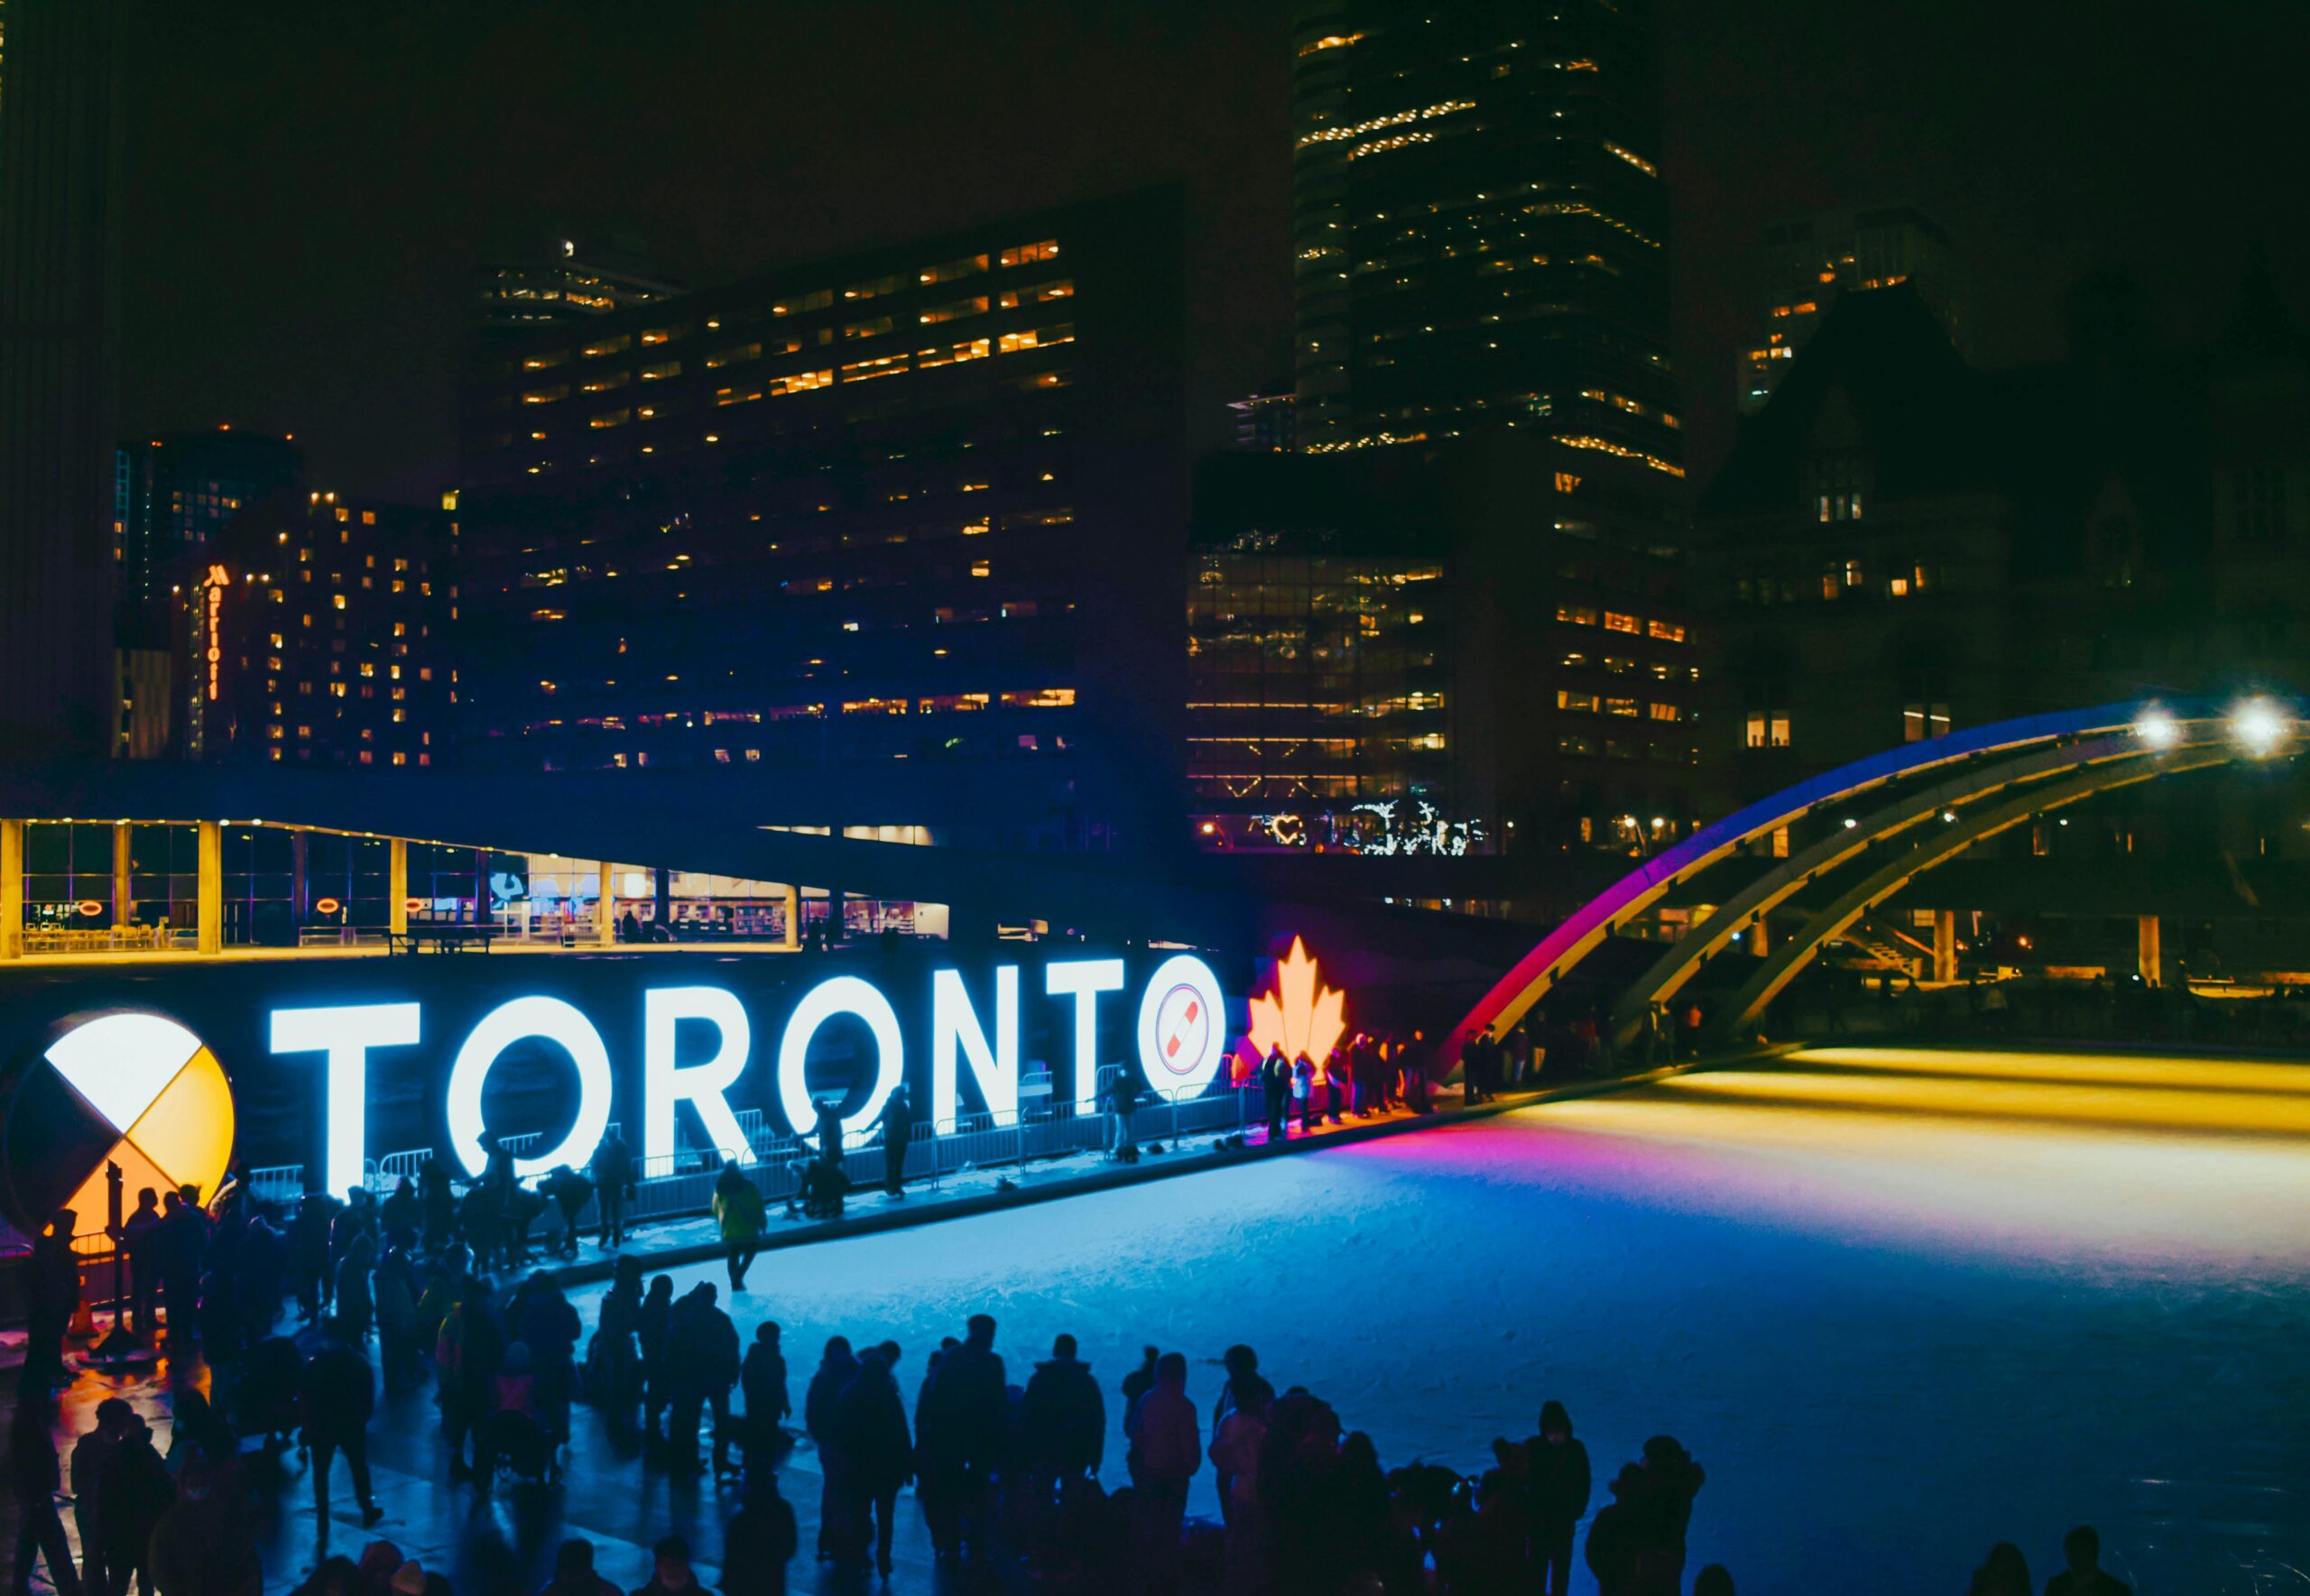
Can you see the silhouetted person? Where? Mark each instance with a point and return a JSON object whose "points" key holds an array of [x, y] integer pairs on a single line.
{"points": [[960, 1425], [89, 1455], [1671, 1480], [202, 1545], [702, 1367], [739, 1213], [1558, 1488], [836, 1370], [671, 1575], [897, 1135], [53, 1292], [1715, 1579], [2085, 1576], [613, 1183], [652, 1322], [573, 1572], [2004, 1572], [761, 1378], [1062, 1421], [143, 1264], [877, 1458], [1616, 1538], [1166, 1451], [340, 1393], [759, 1541], [137, 1491], [1275, 1081]]}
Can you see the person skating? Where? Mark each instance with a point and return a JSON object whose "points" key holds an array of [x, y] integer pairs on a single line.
{"points": [[740, 1214], [877, 1457], [339, 1393], [1558, 1486]]}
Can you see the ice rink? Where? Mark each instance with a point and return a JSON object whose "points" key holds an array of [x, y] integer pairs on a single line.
{"points": [[1898, 1304]]}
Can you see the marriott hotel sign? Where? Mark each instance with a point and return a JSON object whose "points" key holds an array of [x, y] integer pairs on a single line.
{"points": [[334, 1062]]}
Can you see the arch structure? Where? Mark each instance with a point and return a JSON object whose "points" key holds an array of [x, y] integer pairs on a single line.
{"points": [[1962, 788]]}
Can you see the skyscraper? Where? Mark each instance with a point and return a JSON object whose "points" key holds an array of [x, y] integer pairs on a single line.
{"points": [[1479, 226], [568, 282], [1804, 262], [174, 492], [59, 209]]}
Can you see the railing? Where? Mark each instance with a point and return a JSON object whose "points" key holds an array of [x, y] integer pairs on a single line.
{"points": [[118, 939], [341, 935], [683, 1182]]}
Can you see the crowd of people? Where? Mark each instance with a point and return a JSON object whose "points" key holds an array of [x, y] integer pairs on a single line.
{"points": [[1008, 1473]]}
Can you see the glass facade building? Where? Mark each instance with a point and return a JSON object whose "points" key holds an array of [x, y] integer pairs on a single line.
{"points": [[1479, 226]]}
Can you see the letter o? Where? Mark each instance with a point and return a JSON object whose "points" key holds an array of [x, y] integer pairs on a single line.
{"points": [[1181, 1066], [841, 995], [500, 1028]]}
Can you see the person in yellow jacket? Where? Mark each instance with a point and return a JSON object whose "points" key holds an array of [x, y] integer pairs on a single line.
{"points": [[739, 1210]]}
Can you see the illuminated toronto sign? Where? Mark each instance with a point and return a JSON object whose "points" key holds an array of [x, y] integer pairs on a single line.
{"points": [[698, 1041]]}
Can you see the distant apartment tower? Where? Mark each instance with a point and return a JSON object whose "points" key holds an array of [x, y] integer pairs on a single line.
{"points": [[1479, 226], [568, 281], [1264, 420], [1803, 263], [893, 537], [60, 215], [314, 632], [172, 492]]}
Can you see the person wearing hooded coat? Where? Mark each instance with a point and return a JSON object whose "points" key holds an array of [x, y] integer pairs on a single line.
{"points": [[836, 1370], [1617, 1535], [1558, 1486], [702, 1361], [1671, 1480], [1064, 1420], [652, 1322], [877, 1457]]}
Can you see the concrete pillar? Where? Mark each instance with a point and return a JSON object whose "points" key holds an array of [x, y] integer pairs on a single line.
{"points": [[793, 918], [661, 890], [2149, 950], [397, 885], [606, 906], [300, 881], [1944, 944], [835, 923], [11, 889], [1760, 936], [211, 890], [124, 907]]}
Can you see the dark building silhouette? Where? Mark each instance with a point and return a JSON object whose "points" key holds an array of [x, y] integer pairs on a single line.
{"points": [[566, 282], [890, 539], [1901, 545], [1265, 422], [60, 210], [171, 493], [314, 631], [1803, 264], [1479, 226], [1452, 648]]}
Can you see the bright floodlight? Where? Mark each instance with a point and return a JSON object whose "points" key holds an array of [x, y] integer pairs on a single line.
{"points": [[2258, 726], [2157, 728]]}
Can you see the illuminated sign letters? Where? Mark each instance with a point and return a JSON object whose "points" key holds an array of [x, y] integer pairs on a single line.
{"points": [[1083, 979], [665, 1083], [955, 1028], [346, 1034], [1182, 1028], [503, 1025], [843, 994]]}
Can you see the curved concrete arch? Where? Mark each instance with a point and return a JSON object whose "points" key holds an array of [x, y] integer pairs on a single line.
{"points": [[1685, 957], [1782, 966], [1532, 977]]}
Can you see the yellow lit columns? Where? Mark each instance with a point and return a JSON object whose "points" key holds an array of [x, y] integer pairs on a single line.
{"points": [[2149, 950], [793, 918], [1944, 944], [606, 906], [397, 886], [124, 906], [11, 889], [211, 887]]}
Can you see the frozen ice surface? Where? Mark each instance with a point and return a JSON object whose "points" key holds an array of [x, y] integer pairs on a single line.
{"points": [[1900, 1305]]}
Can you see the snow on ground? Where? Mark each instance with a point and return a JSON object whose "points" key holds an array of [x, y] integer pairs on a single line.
{"points": [[1900, 1305]]}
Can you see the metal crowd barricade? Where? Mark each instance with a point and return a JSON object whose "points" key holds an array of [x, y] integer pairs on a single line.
{"points": [[278, 1183]]}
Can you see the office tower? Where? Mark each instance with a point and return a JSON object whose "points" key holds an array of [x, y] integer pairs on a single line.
{"points": [[173, 492], [1263, 422], [58, 215], [1479, 226], [1804, 262], [315, 632], [567, 281], [892, 538]]}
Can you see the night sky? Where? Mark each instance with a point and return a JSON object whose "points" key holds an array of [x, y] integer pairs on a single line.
{"points": [[308, 194]]}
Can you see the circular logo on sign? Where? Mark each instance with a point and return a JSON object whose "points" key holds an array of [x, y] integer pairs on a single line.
{"points": [[1182, 1026], [135, 1090]]}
